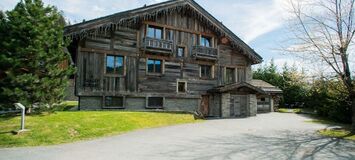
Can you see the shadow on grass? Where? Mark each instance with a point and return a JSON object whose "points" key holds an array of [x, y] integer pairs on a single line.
{"points": [[281, 145]]}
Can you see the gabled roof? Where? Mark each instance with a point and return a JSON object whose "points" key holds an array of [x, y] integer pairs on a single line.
{"points": [[259, 86], [135, 16]]}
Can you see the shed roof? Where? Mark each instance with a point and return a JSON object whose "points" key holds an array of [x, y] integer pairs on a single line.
{"points": [[255, 84], [135, 16]]}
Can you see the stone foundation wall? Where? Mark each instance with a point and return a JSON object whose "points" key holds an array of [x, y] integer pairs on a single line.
{"points": [[139, 103]]}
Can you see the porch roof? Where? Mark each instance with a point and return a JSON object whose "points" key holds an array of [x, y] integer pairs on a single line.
{"points": [[255, 84]]}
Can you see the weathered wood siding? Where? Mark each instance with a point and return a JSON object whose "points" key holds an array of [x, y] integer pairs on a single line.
{"points": [[91, 78], [91, 59]]}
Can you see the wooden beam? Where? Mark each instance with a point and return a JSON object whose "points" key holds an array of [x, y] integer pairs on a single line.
{"points": [[114, 52], [178, 29]]}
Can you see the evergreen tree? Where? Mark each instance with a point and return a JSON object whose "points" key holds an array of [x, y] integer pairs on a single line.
{"points": [[31, 54]]}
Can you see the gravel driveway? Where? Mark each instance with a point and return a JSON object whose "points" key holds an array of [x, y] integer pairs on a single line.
{"points": [[267, 136]]}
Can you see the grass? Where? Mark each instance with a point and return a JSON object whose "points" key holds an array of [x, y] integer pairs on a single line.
{"points": [[286, 110], [64, 127], [70, 103], [336, 130], [337, 133]]}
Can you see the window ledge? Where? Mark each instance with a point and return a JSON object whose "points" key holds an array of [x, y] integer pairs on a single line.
{"points": [[113, 107], [154, 74], [114, 75], [155, 107]]}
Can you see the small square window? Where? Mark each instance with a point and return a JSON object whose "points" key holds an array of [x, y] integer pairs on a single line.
{"points": [[180, 52], [114, 102], [205, 71], [182, 87], [154, 66], [262, 99], [155, 102]]}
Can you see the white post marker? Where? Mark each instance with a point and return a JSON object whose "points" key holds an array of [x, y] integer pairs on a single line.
{"points": [[20, 106]]}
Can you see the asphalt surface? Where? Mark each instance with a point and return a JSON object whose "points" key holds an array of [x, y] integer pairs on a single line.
{"points": [[266, 136]]}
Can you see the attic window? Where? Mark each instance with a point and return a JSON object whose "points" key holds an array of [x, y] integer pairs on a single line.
{"points": [[206, 41], [155, 32]]}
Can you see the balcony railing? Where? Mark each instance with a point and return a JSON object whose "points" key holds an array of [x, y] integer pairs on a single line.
{"points": [[158, 44], [203, 52]]}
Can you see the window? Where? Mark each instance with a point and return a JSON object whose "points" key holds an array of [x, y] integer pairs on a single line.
{"points": [[180, 52], [169, 34], [241, 75], [205, 41], [205, 71], [154, 66], [155, 32], [114, 64], [230, 75], [181, 87], [155, 102], [262, 99], [114, 102]]}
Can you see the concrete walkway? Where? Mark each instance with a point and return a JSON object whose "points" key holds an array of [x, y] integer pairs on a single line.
{"points": [[267, 136]]}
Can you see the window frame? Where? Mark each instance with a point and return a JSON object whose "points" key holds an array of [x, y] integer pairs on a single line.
{"points": [[177, 86], [169, 34], [155, 28], [203, 42], [115, 73], [105, 106], [155, 107], [183, 54], [226, 81], [162, 62], [210, 76]]}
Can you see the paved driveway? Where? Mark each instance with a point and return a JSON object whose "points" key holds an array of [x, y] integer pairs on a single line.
{"points": [[267, 136]]}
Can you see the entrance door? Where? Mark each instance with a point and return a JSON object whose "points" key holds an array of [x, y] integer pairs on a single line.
{"points": [[204, 105], [238, 106]]}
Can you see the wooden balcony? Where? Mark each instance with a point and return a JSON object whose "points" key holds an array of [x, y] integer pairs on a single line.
{"points": [[202, 52], [158, 45]]}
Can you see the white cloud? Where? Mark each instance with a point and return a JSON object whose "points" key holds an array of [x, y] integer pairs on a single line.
{"points": [[248, 19]]}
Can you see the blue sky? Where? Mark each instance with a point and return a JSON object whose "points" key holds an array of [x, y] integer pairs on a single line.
{"points": [[260, 23]]}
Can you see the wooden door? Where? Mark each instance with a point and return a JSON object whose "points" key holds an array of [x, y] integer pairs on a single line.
{"points": [[204, 105], [238, 106]]}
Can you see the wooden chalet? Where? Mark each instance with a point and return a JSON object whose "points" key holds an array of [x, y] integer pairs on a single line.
{"points": [[172, 56]]}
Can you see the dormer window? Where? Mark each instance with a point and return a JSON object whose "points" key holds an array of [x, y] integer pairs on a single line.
{"points": [[205, 41], [155, 32]]}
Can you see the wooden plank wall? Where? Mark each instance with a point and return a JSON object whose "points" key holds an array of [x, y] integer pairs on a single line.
{"points": [[91, 61], [92, 58]]}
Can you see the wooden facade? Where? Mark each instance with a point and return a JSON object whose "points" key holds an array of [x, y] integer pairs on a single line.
{"points": [[165, 56]]}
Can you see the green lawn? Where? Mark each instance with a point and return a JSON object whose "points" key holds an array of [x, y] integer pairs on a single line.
{"points": [[337, 133], [286, 110], [63, 127], [342, 132]]}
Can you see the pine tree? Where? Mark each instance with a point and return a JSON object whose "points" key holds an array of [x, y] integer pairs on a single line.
{"points": [[31, 54]]}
